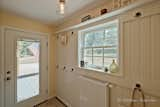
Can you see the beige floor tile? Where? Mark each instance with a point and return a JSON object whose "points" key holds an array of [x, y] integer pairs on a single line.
{"points": [[52, 103]]}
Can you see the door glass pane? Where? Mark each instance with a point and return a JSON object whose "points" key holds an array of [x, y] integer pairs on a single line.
{"points": [[27, 69]]}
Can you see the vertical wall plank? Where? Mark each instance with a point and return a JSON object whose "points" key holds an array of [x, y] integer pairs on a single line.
{"points": [[155, 40], [145, 49]]}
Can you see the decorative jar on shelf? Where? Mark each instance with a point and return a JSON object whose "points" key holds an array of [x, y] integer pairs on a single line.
{"points": [[114, 67]]}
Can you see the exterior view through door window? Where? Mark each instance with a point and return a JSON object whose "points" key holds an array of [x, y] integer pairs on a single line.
{"points": [[28, 52]]}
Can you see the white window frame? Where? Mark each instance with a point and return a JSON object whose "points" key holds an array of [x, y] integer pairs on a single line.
{"points": [[91, 29]]}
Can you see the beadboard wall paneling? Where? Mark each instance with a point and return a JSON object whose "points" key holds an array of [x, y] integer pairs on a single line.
{"points": [[141, 56]]}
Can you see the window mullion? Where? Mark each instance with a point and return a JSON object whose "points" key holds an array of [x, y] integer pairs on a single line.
{"points": [[103, 48], [103, 57], [92, 55], [83, 47]]}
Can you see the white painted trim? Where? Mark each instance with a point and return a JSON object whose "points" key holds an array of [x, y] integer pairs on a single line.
{"points": [[23, 30], [120, 47], [64, 101], [2, 66], [49, 70], [51, 97], [108, 15], [2, 34], [102, 25]]}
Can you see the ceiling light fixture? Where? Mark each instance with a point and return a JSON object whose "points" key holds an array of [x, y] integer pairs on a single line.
{"points": [[62, 6]]}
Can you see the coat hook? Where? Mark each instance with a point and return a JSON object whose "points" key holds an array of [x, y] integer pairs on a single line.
{"points": [[138, 14], [72, 33], [64, 67], [138, 86], [72, 69]]}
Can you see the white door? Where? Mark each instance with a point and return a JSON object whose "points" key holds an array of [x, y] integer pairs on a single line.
{"points": [[25, 69]]}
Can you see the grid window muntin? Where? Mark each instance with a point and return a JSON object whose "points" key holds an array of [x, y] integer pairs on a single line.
{"points": [[103, 48]]}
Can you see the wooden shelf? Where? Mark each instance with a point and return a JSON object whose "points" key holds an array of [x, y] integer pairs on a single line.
{"points": [[108, 15]]}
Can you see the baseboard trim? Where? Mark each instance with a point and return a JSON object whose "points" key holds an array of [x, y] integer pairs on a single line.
{"points": [[61, 101], [51, 97], [44, 101], [40, 103], [56, 97]]}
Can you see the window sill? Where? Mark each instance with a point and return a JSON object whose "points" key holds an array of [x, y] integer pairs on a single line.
{"points": [[118, 74]]}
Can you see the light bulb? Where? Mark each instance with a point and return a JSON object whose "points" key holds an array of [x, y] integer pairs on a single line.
{"points": [[62, 7]]}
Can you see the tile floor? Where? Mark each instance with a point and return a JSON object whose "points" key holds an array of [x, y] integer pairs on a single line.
{"points": [[52, 103]]}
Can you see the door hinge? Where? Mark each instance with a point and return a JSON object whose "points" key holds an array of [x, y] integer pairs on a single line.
{"points": [[47, 68], [47, 44]]}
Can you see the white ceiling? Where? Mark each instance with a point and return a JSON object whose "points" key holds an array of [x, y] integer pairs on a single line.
{"points": [[45, 10]]}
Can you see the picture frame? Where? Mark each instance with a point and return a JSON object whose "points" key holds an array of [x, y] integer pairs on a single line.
{"points": [[125, 2], [63, 39], [116, 4]]}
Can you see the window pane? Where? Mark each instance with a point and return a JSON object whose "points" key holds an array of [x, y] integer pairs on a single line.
{"points": [[88, 60], [110, 52], [89, 39], [111, 36], [99, 36], [94, 38], [98, 61], [98, 52], [107, 37], [27, 69], [88, 52]]}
